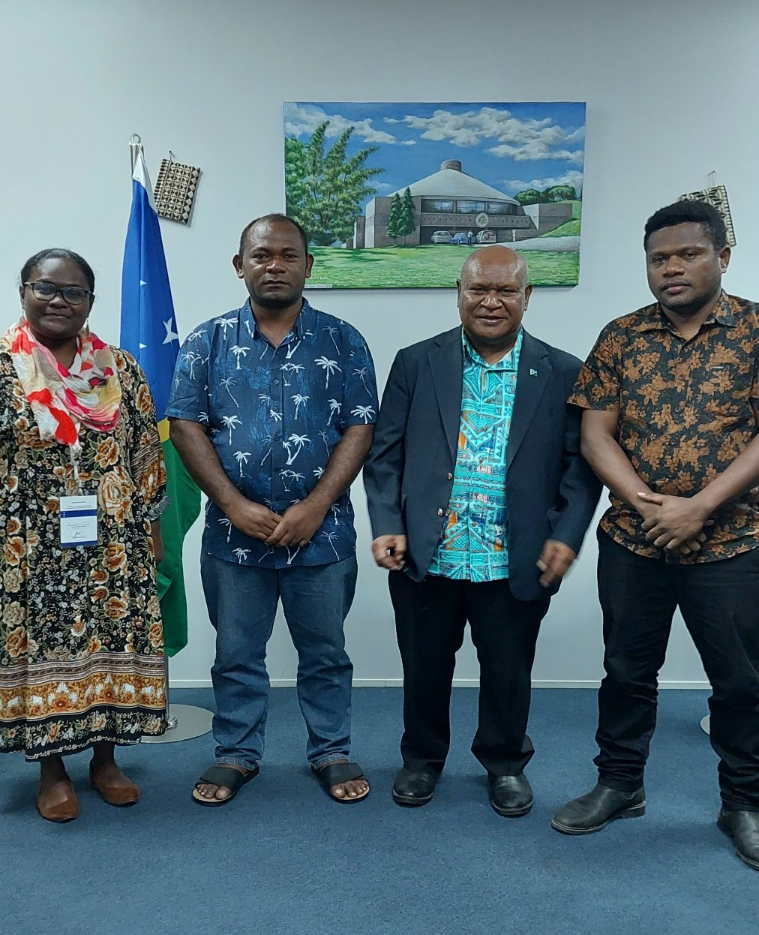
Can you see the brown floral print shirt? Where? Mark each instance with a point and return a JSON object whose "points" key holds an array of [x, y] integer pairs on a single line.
{"points": [[686, 410]]}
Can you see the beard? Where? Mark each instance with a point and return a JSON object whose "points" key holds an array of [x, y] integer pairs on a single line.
{"points": [[275, 302], [684, 309], [689, 308]]}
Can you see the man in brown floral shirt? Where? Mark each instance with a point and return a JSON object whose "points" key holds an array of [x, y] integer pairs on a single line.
{"points": [[671, 400]]}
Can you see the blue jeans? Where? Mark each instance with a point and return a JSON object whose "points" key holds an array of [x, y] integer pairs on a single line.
{"points": [[242, 603]]}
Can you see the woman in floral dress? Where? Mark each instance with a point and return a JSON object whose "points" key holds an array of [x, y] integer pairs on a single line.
{"points": [[81, 641]]}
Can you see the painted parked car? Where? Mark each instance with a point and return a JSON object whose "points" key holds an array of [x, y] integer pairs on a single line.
{"points": [[441, 237]]}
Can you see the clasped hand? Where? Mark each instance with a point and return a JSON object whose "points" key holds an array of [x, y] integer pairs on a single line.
{"points": [[674, 522], [296, 526]]}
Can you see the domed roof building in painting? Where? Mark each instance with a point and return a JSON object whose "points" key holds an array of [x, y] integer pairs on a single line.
{"points": [[452, 182], [452, 201]]}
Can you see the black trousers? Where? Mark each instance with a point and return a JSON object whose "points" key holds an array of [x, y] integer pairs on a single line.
{"points": [[719, 602], [430, 619]]}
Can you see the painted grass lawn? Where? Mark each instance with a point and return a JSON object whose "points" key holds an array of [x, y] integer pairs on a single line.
{"points": [[435, 266]]}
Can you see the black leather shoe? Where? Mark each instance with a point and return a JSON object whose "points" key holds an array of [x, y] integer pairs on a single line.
{"points": [[743, 828], [510, 796], [595, 810], [414, 788]]}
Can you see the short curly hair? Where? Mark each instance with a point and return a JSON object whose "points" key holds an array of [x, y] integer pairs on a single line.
{"points": [[688, 212]]}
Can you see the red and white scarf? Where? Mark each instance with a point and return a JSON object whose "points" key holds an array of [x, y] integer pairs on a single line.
{"points": [[87, 393]]}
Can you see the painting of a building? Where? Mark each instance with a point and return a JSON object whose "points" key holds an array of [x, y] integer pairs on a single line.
{"points": [[397, 195], [450, 200]]}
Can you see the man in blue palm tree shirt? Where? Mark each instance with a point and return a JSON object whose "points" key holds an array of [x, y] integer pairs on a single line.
{"points": [[273, 409]]}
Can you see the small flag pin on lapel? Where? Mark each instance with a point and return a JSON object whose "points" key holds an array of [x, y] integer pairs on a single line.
{"points": [[533, 373]]}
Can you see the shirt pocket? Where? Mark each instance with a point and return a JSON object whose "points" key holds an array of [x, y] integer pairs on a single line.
{"points": [[724, 397]]}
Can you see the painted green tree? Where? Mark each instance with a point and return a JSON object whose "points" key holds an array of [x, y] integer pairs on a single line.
{"points": [[530, 196], [560, 193], [394, 220], [407, 223], [325, 189]]}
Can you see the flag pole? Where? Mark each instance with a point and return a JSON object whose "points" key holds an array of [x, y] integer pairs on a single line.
{"points": [[183, 722], [135, 145]]}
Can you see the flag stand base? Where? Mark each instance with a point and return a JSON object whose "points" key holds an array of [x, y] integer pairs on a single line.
{"points": [[705, 724], [185, 722]]}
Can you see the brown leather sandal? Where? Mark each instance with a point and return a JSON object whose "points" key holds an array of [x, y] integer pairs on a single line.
{"points": [[115, 795], [64, 811]]}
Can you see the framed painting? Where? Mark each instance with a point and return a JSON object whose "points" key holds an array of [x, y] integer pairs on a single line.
{"points": [[395, 196]]}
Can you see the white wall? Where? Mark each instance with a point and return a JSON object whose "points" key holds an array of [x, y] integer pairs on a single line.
{"points": [[671, 93]]}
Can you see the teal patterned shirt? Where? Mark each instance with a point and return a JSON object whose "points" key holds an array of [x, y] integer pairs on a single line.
{"points": [[473, 545]]}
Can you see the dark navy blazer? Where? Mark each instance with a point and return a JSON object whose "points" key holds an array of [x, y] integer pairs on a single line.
{"points": [[551, 493]]}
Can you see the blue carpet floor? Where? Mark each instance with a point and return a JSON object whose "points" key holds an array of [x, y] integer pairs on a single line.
{"points": [[284, 859]]}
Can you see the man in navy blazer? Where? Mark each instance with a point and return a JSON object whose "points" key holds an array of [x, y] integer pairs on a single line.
{"points": [[479, 500]]}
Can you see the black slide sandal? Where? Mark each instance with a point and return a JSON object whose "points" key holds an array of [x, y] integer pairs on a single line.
{"points": [[334, 774], [226, 776]]}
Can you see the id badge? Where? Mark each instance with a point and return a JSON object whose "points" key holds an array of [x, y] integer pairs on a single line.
{"points": [[79, 520]]}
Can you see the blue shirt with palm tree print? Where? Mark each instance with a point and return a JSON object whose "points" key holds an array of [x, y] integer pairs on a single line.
{"points": [[274, 417]]}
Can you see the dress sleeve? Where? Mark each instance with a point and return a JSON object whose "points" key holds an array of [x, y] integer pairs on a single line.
{"points": [[7, 417], [146, 455], [599, 382]]}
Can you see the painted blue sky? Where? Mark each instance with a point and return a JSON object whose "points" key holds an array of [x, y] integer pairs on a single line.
{"points": [[509, 146]]}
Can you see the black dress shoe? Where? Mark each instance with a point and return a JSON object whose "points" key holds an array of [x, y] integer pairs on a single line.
{"points": [[413, 787], [595, 810], [510, 796], [743, 828]]}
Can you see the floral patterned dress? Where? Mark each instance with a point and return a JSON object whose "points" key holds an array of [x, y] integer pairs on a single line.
{"points": [[81, 640]]}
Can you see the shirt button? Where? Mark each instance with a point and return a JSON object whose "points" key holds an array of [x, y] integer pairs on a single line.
{"points": [[450, 476], [440, 511], [275, 382]]}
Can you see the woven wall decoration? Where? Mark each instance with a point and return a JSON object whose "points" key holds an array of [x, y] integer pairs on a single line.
{"points": [[175, 190], [716, 196]]}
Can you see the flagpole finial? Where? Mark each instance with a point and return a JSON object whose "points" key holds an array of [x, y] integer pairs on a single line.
{"points": [[135, 147]]}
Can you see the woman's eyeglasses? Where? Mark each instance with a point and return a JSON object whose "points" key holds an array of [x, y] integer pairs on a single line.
{"points": [[47, 291]]}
